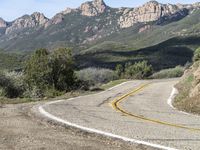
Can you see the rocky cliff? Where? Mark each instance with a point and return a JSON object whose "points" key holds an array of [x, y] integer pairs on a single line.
{"points": [[27, 21]]}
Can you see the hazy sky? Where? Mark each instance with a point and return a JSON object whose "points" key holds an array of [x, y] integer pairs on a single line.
{"points": [[12, 9]]}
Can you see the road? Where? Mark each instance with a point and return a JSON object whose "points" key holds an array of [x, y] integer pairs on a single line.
{"points": [[136, 111]]}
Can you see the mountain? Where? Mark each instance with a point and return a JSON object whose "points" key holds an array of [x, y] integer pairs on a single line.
{"points": [[102, 36], [87, 25], [26, 21]]}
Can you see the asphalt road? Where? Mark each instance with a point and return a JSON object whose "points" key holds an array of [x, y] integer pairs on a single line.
{"points": [[135, 110]]}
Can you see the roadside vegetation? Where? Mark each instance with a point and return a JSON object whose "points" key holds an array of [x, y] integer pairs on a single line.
{"points": [[47, 75]]}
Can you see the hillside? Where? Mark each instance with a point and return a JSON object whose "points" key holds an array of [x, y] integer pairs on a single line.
{"points": [[189, 89], [102, 36], [91, 23]]}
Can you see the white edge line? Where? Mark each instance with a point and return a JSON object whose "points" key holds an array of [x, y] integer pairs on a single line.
{"points": [[170, 101], [172, 96], [91, 130]]}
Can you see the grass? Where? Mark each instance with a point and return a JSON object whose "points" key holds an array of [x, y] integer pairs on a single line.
{"points": [[4, 100], [112, 84], [168, 54]]}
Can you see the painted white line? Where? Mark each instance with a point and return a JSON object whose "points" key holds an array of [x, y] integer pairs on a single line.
{"points": [[172, 96], [91, 130]]}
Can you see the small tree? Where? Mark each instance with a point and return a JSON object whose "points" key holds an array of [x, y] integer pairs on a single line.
{"points": [[119, 70], [196, 55]]}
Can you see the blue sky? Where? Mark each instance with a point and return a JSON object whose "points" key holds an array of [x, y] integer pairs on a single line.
{"points": [[12, 9]]}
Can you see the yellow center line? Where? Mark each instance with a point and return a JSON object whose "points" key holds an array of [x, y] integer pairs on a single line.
{"points": [[116, 106]]}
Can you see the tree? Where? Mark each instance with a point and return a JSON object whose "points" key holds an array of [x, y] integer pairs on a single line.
{"points": [[37, 70], [61, 62]]}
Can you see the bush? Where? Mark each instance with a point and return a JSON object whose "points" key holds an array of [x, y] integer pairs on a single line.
{"points": [[196, 55], [11, 87], [96, 75], [139, 70], [169, 73]]}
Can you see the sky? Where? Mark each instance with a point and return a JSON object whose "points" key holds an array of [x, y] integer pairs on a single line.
{"points": [[12, 9]]}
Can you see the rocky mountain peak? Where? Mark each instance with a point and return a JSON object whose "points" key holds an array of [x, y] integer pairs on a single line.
{"points": [[93, 8], [151, 11], [3, 23], [39, 18], [27, 21]]}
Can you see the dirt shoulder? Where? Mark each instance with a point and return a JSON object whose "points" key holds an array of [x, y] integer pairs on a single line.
{"points": [[21, 130]]}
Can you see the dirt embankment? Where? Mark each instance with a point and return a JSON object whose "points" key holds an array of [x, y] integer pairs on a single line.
{"points": [[188, 98]]}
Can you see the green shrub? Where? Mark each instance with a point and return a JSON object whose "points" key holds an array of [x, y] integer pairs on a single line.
{"points": [[196, 55], [169, 73], [139, 70], [10, 87], [96, 75]]}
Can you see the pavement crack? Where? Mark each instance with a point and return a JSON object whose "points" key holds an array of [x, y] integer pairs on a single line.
{"points": [[104, 102]]}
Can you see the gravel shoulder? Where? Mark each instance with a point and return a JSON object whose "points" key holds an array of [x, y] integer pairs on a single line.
{"points": [[20, 129]]}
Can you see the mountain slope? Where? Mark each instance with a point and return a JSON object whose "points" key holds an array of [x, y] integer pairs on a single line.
{"points": [[89, 24]]}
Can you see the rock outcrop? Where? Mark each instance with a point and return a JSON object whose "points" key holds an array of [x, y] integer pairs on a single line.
{"points": [[93, 8], [27, 21], [145, 28], [3, 23], [151, 11], [58, 18]]}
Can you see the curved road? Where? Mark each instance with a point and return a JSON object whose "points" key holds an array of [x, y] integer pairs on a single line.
{"points": [[136, 111]]}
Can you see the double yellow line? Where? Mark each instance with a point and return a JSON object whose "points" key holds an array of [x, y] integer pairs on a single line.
{"points": [[116, 106]]}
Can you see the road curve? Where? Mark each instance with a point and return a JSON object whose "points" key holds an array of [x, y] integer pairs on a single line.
{"points": [[136, 111]]}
